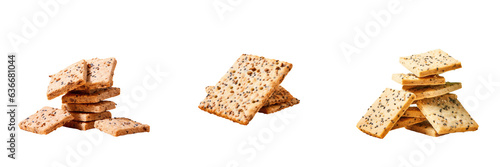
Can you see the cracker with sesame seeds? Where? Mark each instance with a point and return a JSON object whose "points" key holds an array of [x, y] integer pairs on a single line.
{"points": [[80, 125], [447, 115], [45, 120], [407, 121], [245, 88], [430, 63], [279, 106], [413, 80], [89, 107], [385, 112], [120, 126], [83, 116], [413, 112], [435, 90], [67, 79], [101, 94], [100, 73], [424, 128]]}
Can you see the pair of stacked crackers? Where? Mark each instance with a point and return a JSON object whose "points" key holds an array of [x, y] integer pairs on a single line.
{"points": [[251, 85], [425, 104], [85, 86]]}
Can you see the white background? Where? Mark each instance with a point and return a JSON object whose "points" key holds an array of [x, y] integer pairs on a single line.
{"points": [[195, 46]]}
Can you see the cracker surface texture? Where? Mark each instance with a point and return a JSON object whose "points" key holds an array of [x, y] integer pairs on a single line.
{"points": [[413, 112], [120, 126], [430, 63], [102, 94], [80, 125], [413, 80], [45, 120], [67, 79], [406, 121], [100, 73], [278, 107], [89, 107], [434, 91], [82, 116], [424, 128]]}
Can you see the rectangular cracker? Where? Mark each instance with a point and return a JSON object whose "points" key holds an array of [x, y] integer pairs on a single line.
{"points": [[45, 120], [120, 126], [83, 116], [385, 112], [424, 128], [435, 90], [447, 115], [430, 63], [67, 79], [407, 121], [80, 125], [413, 112], [99, 74], [413, 80], [101, 94], [278, 107], [89, 107], [245, 88]]}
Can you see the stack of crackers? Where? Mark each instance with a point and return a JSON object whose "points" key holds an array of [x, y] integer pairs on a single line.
{"points": [[425, 105], [251, 85], [85, 86]]}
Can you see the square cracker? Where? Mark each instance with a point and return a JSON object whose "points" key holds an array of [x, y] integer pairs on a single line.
{"points": [[434, 91], [278, 107], [80, 125], [413, 112], [385, 112], [424, 128], [67, 79], [447, 115], [245, 88], [45, 120], [430, 63], [413, 80], [407, 121], [83, 116], [120, 126], [100, 73], [89, 107], [102, 94]]}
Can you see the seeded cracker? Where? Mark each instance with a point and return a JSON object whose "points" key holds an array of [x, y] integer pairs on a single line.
{"points": [[278, 107], [102, 94], [385, 112], [99, 74], [120, 126], [413, 80], [430, 63], [45, 120], [82, 116], [67, 79], [89, 107], [245, 88], [424, 128], [80, 125], [405, 121], [434, 91], [413, 112], [447, 115]]}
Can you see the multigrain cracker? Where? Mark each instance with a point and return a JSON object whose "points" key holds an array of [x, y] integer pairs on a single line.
{"points": [[45, 120], [413, 80], [430, 63], [120, 126], [278, 107], [80, 125], [434, 91], [89, 107], [280, 95], [385, 112], [424, 128], [100, 73], [67, 79], [245, 88], [413, 112], [102, 94], [83, 116], [406, 121], [447, 115]]}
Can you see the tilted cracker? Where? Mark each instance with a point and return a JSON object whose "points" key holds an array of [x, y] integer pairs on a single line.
{"points": [[413, 80], [80, 125], [407, 121], [280, 95], [45, 120], [385, 112], [278, 107], [424, 128], [102, 94], [447, 115], [89, 107], [120, 126], [434, 91], [100, 73], [430, 63], [245, 88], [413, 112], [67, 79], [83, 116]]}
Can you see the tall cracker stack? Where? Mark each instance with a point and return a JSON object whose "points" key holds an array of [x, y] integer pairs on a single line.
{"points": [[251, 85], [437, 111]]}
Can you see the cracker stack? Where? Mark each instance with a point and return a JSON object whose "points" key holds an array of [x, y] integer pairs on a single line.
{"points": [[437, 111], [251, 85]]}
